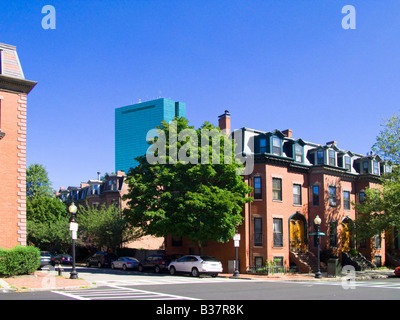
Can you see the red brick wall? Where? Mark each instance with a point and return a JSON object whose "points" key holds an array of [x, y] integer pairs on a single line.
{"points": [[13, 170]]}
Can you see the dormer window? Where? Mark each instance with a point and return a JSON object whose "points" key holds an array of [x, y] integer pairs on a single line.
{"points": [[298, 150], [347, 163], [320, 157], [332, 158], [388, 168], [376, 167], [263, 145], [276, 146], [365, 167]]}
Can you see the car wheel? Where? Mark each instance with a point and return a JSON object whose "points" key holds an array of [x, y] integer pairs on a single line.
{"points": [[214, 275], [172, 271], [112, 266], [99, 264], [140, 268], [195, 272], [87, 264], [124, 267], [157, 269]]}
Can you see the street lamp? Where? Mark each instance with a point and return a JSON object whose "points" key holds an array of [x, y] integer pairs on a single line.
{"points": [[317, 222], [73, 226], [236, 240]]}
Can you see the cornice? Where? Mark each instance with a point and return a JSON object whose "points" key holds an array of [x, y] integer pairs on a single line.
{"points": [[16, 85]]}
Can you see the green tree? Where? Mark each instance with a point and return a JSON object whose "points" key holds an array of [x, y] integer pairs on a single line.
{"points": [[47, 217], [388, 141], [37, 181], [381, 208], [198, 201], [104, 226]]}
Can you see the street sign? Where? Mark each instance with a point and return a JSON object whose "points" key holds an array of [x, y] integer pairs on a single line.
{"points": [[74, 235], [73, 226], [317, 234], [236, 237], [236, 243]]}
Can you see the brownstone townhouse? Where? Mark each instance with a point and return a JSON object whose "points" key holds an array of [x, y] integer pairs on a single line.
{"points": [[294, 181]]}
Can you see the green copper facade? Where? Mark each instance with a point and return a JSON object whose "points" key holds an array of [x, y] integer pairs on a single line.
{"points": [[132, 124]]}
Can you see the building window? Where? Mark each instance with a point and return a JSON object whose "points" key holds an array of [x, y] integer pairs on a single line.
{"points": [[257, 188], [332, 196], [346, 200], [365, 167], [276, 189], [333, 233], [320, 157], [376, 167], [347, 163], [332, 158], [258, 262], [315, 195], [388, 168], [258, 238], [361, 197], [378, 241], [278, 261], [297, 194], [263, 145], [278, 233], [176, 241], [276, 146], [298, 150]]}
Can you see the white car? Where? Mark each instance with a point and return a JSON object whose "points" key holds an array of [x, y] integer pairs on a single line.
{"points": [[196, 265]]}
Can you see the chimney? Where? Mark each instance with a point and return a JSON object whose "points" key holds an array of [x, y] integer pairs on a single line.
{"points": [[287, 133], [224, 122], [98, 176], [331, 143]]}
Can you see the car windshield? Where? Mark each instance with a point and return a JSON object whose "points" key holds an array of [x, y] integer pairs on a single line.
{"points": [[208, 258], [131, 259], [45, 254]]}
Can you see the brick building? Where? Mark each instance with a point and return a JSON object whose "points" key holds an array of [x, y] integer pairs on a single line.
{"points": [[294, 181], [14, 89], [107, 191]]}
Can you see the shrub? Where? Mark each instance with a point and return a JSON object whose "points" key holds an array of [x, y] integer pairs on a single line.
{"points": [[19, 260]]}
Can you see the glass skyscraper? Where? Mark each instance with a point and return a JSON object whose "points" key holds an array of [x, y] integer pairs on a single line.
{"points": [[132, 124]]}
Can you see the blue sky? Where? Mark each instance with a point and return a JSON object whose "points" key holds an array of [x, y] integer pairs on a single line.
{"points": [[273, 64]]}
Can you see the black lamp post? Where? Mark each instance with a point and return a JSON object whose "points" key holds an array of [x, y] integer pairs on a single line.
{"points": [[236, 243], [317, 222], [73, 226]]}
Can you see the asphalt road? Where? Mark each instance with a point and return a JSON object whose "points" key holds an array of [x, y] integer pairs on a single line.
{"points": [[132, 285]]}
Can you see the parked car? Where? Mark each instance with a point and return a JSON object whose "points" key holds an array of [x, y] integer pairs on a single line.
{"points": [[125, 263], [196, 265], [45, 259], [397, 271], [101, 259], [61, 259], [157, 262]]}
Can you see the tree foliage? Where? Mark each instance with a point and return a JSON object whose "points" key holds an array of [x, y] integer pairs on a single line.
{"points": [[37, 181], [104, 226], [381, 208], [198, 201], [47, 216]]}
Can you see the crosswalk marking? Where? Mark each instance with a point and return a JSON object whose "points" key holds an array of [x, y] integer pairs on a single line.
{"points": [[116, 292]]}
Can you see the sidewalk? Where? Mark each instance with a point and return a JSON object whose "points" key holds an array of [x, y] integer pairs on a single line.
{"points": [[41, 280], [49, 280]]}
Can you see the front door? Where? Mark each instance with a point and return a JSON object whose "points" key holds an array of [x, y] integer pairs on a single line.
{"points": [[346, 236], [296, 235]]}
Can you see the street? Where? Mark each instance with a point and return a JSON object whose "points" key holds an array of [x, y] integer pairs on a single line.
{"points": [[132, 285]]}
